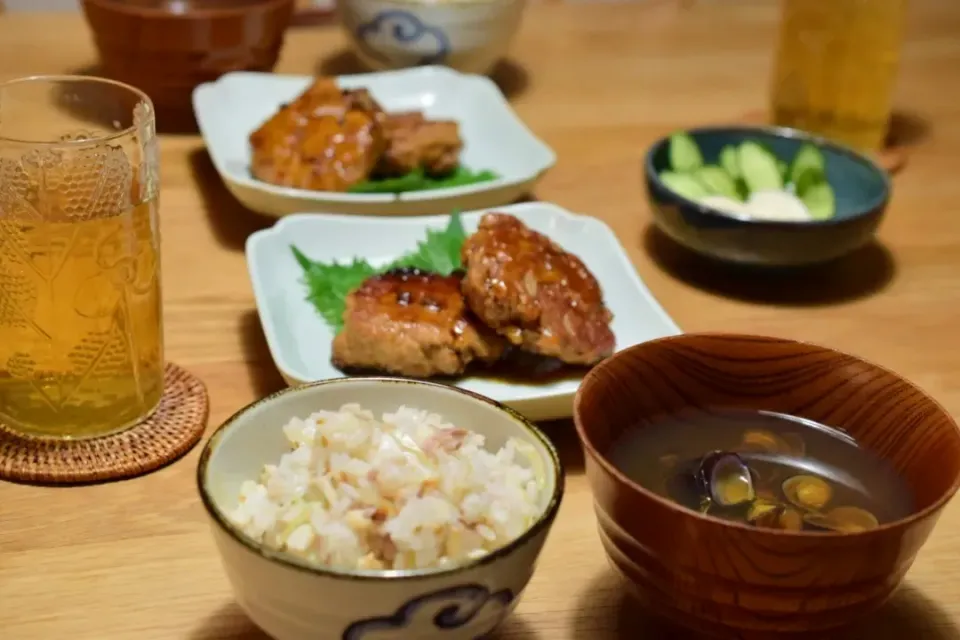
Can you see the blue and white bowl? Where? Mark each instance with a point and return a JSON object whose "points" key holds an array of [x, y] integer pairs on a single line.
{"points": [[293, 600], [467, 35]]}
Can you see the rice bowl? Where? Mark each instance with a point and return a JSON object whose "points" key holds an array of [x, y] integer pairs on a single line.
{"points": [[337, 590], [407, 491]]}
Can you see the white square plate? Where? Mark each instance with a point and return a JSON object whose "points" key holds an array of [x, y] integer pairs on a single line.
{"points": [[300, 340], [231, 108]]}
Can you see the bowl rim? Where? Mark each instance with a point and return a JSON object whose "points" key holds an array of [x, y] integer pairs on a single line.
{"points": [[602, 459], [207, 13], [774, 131], [542, 523]]}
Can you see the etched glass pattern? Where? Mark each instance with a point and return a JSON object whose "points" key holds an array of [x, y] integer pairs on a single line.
{"points": [[81, 340]]}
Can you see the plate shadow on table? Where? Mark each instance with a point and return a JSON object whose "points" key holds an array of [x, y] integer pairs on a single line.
{"points": [[527, 197], [563, 435], [231, 221], [607, 612], [514, 627], [864, 272], [510, 76], [264, 376], [907, 129], [909, 614], [228, 622]]}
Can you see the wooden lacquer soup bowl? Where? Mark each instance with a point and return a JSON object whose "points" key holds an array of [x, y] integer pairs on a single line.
{"points": [[734, 580]]}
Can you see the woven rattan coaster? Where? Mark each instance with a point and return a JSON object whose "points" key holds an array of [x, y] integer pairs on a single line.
{"points": [[173, 429]]}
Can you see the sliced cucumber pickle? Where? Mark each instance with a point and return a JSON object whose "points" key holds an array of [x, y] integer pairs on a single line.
{"points": [[759, 167], [808, 158], [808, 178], [717, 181], [750, 167], [820, 201], [684, 184], [729, 161], [684, 153]]}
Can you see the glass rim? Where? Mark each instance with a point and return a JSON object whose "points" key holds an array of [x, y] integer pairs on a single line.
{"points": [[65, 78]]}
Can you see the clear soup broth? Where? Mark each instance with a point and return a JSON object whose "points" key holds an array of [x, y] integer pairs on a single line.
{"points": [[764, 469]]}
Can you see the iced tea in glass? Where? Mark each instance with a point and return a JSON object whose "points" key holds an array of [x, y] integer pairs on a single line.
{"points": [[81, 334], [836, 68]]}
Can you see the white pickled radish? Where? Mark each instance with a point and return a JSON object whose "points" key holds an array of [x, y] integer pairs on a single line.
{"points": [[777, 205], [725, 204]]}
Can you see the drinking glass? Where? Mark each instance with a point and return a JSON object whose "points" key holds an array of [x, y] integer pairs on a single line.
{"points": [[81, 335], [836, 68]]}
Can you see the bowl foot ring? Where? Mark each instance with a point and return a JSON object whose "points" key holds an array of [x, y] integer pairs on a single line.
{"points": [[170, 432]]}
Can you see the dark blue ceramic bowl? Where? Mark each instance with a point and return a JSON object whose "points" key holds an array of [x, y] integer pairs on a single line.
{"points": [[862, 191]]}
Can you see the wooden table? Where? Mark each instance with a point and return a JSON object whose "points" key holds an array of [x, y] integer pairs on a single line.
{"points": [[134, 560]]}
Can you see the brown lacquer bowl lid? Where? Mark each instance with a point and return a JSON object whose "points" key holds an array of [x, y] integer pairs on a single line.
{"points": [[168, 47], [738, 581]]}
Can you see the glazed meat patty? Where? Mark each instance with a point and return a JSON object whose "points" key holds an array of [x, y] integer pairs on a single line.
{"points": [[413, 141], [415, 324], [326, 139], [329, 139], [540, 297]]}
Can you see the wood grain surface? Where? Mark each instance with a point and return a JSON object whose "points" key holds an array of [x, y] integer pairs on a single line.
{"points": [[599, 83], [755, 583]]}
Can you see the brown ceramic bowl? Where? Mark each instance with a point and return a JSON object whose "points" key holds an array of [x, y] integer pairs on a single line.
{"points": [[168, 47], [732, 580]]}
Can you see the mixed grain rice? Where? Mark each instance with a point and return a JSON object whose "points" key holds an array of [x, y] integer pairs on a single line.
{"points": [[403, 492]]}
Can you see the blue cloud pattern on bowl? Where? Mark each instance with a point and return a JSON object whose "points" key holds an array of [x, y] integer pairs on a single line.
{"points": [[445, 610], [403, 28]]}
